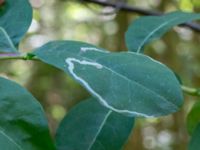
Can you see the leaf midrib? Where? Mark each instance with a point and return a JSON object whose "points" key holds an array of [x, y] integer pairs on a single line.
{"points": [[153, 32], [8, 38], [139, 84], [121, 75], [100, 128], [10, 139]]}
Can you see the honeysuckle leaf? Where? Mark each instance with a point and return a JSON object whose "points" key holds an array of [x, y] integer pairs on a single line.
{"points": [[193, 117], [146, 29], [15, 19], [90, 126], [128, 83], [23, 125], [6, 44], [195, 139]]}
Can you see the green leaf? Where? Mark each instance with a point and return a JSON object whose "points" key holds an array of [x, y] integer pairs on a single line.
{"points": [[90, 126], [193, 117], [6, 45], [146, 29], [126, 82], [178, 78], [15, 19], [195, 140], [23, 125]]}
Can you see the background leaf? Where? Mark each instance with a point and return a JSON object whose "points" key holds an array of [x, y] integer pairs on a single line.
{"points": [[186, 5], [15, 19], [193, 117], [90, 126], [195, 140], [23, 125], [146, 29], [128, 83]]}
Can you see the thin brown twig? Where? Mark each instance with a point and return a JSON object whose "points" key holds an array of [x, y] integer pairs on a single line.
{"points": [[142, 11], [16, 56]]}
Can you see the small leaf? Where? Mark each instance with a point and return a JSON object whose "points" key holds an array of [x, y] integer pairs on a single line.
{"points": [[146, 29], [126, 82], [193, 117], [15, 19], [195, 140], [90, 126], [23, 125]]}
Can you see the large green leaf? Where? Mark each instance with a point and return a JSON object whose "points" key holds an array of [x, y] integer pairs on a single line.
{"points": [[195, 140], [23, 125], [193, 117], [15, 19], [146, 29], [90, 126], [126, 82]]}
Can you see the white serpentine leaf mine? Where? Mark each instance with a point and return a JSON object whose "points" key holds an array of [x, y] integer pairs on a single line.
{"points": [[84, 49], [70, 61]]}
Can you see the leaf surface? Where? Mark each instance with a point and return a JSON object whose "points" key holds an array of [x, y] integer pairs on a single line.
{"points": [[23, 125], [126, 82], [193, 117], [15, 19], [147, 29], [90, 126], [195, 139]]}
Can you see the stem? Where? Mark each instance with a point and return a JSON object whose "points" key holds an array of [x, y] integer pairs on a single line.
{"points": [[190, 90], [14, 56]]}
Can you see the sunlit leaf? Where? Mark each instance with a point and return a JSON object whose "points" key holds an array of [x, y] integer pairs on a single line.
{"points": [[126, 82], [23, 125], [90, 126], [146, 29]]}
